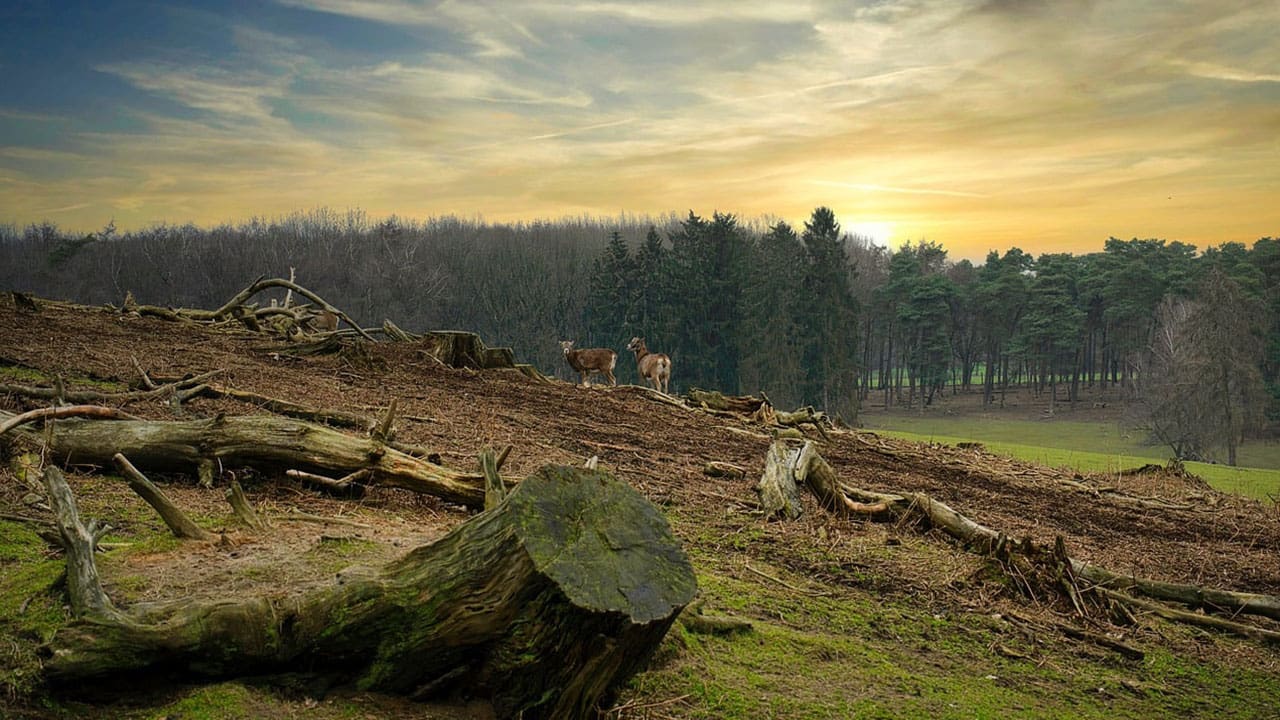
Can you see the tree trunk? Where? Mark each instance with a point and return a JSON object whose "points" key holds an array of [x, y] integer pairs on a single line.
{"points": [[262, 441], [545, 604]]}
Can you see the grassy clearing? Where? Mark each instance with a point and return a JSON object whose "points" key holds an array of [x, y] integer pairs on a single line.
{"points": [[1107, 438], [1261, 483]]}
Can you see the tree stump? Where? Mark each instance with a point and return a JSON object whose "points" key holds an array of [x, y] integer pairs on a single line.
{"points": [[545, 604], [459, 349]]}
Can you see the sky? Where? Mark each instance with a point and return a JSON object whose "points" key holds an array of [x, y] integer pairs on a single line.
{"points": [[980, 124]]}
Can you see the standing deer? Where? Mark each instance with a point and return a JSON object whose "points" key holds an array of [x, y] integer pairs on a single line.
{"points": [[590, 360], [654, 367]]}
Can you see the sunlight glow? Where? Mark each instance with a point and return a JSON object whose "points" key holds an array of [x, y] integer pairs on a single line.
{"points": [[879, 232]]}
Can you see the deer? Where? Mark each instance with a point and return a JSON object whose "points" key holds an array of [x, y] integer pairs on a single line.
{"points": [[590, 360], [654, 367]]}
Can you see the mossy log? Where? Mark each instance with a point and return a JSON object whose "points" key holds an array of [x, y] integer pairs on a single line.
{"points": [[545, 605], [265, 442]]}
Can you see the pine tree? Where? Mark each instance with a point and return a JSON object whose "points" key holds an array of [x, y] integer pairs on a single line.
{"points": [[612, 289], [829, 318]]}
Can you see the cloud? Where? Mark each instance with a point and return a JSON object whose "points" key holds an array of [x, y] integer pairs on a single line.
{"points": [[872, 187], [1218, 72], [930, 115]]}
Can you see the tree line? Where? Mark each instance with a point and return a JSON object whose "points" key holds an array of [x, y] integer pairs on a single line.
{"points": [[809, 315]]}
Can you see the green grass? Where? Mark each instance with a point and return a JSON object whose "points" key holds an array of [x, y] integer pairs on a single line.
{"points": [[865, 655], [1113, 453]]}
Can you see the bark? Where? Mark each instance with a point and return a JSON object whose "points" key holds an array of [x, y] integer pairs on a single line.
{"points": [[265, 442], [545, 604]]}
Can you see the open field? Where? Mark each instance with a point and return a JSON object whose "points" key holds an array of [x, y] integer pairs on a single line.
{"points": [[1084, 438], [851, 617]]}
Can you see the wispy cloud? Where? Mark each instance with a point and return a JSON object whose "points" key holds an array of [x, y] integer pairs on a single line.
{"points": [[1218, 72], [873, 187]]}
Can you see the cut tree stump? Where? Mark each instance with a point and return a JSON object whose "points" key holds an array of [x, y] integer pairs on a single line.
{"points": [[545, 604], [459, 349]]}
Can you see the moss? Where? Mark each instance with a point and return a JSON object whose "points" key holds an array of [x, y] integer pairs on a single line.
{"points": [[31, 608], [212, 702], [14, 373], [332, 554], [19, 543]]}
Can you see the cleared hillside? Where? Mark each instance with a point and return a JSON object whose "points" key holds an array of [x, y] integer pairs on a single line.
{"points": [[850, 615]]}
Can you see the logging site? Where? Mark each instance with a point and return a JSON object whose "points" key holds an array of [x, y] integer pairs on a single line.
{"points": [[265, 509]]}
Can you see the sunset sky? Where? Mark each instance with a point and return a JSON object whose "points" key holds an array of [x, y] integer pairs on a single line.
{"points": [[979, 125]]}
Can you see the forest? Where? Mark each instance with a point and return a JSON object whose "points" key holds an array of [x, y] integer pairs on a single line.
{"points": [[1188, 338]]}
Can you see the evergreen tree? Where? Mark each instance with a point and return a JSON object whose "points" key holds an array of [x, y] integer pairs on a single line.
{"points": [[703, 297], [829, 318], [650, 282], [612, 288], [1054, 323], [1000, 299], [771, 340]]}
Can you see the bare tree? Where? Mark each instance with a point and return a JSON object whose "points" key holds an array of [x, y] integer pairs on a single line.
{"points": [[1199, 387]]}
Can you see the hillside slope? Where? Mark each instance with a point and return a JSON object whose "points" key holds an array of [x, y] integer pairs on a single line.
{"points": [[851, 616]]}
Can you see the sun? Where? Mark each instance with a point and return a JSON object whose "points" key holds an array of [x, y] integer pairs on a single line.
{"points": [[878, 232]]}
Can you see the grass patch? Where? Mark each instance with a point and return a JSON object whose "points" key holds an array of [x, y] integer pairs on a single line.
{"points": [[1085, 447]]}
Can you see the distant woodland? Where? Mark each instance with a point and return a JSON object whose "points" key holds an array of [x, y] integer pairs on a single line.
{"points": [[809, 315]]}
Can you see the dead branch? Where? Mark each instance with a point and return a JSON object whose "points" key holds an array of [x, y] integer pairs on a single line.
{"points": [[93, 396], [336, 418], [88, 600], [494, 489], [178, 522], [243, 510], [716, 468], [81, 411]]}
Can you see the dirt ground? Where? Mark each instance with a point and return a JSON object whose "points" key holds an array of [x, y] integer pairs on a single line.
{"points": [[1201, 537]]}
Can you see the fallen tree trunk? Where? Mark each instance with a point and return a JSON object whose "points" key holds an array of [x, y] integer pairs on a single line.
{"points": [[805, 467], [545, 604], [261, 441]]}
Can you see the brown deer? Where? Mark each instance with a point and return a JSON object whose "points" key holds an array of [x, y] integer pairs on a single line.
{"points": [[654, 367], [590, 360]]}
